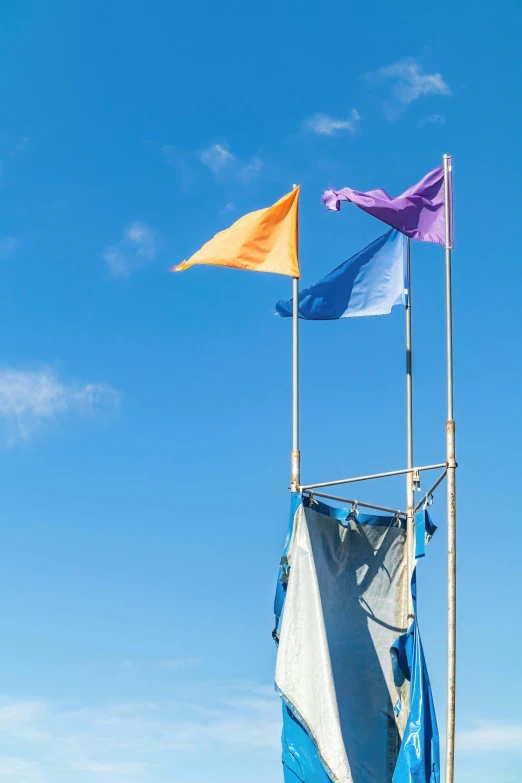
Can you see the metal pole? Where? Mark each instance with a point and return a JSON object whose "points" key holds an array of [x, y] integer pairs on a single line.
{"points": [[357, 503], [374, 476], [431, 491], [296, 455], [450, 456], [410, 486]]}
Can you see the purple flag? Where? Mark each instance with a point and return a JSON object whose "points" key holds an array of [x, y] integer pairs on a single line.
{"points": [[418, 212]]}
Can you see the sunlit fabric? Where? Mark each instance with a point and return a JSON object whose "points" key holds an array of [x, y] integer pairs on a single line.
{"points": [[418, 212], [369, 283], [261, 241]]}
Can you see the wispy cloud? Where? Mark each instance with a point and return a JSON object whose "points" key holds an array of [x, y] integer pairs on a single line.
{"points": [[8, 245], [326, 125], [432, 119], [248, 171], [17, 770], [180, 664], [119, 768], [142, 742], [490, 737], [217, 157], [408, 83], [149, 742], [31, 399], [220, 160], [169, 664], [137, 247], [21, 711]]}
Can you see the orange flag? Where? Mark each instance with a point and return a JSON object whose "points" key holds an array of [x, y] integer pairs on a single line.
{"points": [[262, 241]]}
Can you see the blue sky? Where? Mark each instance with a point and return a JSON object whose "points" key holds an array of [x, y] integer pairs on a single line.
{"points": [[145, 417]]}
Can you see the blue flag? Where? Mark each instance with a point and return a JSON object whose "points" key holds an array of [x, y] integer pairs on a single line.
{"points": [[370, 283]]}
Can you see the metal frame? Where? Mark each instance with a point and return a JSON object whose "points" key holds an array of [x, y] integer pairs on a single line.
{"points": [[310, 489], [389, 473], [411, 473], [355, 503], [431, 490]]}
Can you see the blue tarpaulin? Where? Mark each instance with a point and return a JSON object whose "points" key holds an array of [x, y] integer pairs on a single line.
{"points": [[357, 702]]}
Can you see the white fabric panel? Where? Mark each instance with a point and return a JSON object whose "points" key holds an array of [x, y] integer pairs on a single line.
{"points": [[346, 604]]}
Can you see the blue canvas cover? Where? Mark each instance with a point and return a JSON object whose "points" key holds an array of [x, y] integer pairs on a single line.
{"points": [[357, 703], [418, 760]]}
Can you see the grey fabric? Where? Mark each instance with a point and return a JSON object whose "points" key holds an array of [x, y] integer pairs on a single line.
{"points": [[346, 604]]}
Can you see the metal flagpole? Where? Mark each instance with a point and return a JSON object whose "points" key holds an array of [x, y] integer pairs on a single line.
{"points": [[410, 488], [450, 456], [296, 456]]}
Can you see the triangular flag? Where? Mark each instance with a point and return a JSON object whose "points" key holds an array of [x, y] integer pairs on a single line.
{"points": [[261, 241]]}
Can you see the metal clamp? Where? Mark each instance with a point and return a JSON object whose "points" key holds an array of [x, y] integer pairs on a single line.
{"points": [[354, 511]]}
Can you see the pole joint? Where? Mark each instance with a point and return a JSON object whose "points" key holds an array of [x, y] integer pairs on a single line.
{"points": [[450, 444], [296, 470]]}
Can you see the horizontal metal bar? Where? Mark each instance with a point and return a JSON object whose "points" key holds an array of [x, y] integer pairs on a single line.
{"points": [[372, 476], [359, 503], [431, 490]]}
